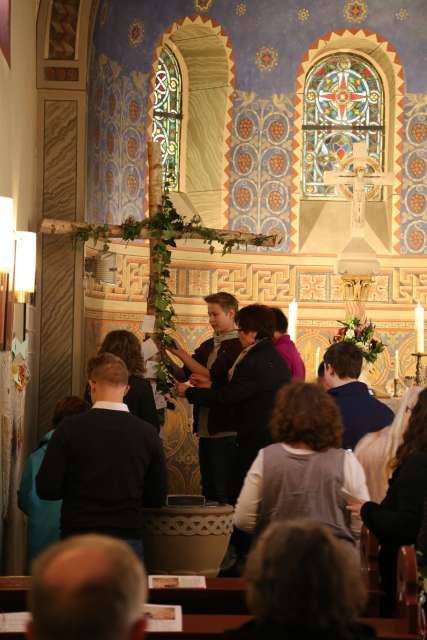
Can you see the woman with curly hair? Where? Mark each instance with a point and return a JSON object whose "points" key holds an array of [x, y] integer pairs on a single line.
{"points": [[140, 397], [396, 521], [301, 582], [305, 473]]}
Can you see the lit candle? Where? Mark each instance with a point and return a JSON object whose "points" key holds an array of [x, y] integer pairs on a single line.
{"points": [[292, 319], [396, 364], [317, 362], [419, 327]]}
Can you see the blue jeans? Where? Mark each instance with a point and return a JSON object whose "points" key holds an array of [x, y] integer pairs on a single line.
{"points": [[217, 458]]}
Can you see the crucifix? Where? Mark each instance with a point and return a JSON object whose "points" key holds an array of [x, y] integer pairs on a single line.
{"points": [[61, 227], [359, 178]]}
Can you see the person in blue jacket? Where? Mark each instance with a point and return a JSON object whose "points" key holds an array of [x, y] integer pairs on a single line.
{"points": [[44, 515]]}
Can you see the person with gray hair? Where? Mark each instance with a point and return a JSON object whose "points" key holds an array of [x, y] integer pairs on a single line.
{"points": [[87, 587], [302, 583]]}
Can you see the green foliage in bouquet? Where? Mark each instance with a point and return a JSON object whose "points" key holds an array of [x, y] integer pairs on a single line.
{"points": [[360, 333]]}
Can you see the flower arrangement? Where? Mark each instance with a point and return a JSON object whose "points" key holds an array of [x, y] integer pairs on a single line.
{"points": [[360, 333]]}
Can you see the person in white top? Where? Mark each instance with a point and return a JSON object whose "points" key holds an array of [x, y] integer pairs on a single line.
{"points": [[305, 473], [377, 451]]}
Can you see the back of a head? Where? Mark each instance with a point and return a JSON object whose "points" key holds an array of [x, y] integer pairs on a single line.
{"points": [[305, 413], [258, 318], [87, 587], [281, 320], [345, 358], [300, 575], [125, 345], [225, 300], [108, 369], [68, 406]]}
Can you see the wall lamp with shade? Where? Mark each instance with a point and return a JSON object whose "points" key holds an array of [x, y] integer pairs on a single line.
{"points": [[17, 273]]}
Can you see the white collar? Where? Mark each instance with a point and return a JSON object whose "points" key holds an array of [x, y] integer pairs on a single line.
{"points": [[112, 406]]}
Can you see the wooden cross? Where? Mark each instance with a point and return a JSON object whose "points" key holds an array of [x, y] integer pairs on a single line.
{"points": [[59, 227], [358, 179]]}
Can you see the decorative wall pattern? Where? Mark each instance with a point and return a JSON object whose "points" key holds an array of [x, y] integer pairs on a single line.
{"points": [[414, 189], [117, 144], [63, 29]]}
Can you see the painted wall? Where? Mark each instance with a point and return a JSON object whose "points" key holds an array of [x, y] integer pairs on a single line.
{"points": [[269, 39], [18, 122]]}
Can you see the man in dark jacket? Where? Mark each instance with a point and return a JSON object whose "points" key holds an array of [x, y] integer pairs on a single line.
{"points": [[361, 412], [105, 464]]}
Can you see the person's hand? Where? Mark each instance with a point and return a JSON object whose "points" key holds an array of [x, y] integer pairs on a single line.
{"points": [[202, 382], [354, 505], [177, 350], [181, 388]]}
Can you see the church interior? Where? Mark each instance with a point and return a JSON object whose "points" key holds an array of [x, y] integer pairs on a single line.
{"points": [[85, 85]]}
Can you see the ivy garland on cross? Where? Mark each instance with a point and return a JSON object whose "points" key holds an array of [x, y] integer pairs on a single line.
{"points": [[164, 228]]}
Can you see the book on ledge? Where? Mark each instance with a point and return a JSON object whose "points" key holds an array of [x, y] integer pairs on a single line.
{"points": [[178, 500]]}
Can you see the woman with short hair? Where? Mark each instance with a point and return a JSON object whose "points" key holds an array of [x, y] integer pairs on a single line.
{"points": [[305, 473], [140, 397], [302, 583]]}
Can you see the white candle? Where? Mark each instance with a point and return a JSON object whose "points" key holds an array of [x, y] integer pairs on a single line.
{"points": [[317, 362], [292, 319], [419, 327], [396, 364]]}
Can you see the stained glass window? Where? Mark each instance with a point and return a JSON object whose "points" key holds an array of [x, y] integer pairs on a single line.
{"points": [[343, 104], [167, 115]]}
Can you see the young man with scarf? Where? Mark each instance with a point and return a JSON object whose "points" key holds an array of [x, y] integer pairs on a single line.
{"points": [[208, 367]]}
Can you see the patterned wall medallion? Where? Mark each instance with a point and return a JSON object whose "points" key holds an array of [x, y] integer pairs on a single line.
{"points": [[136, 33], [266, 58], [402, 14], [240, 9], [202, 5], [303, 14], [355, 11]]}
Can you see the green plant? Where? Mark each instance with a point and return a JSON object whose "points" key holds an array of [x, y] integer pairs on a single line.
{"points": [[360, 333]]}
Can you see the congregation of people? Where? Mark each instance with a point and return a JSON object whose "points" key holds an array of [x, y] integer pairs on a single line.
{"points": [[304, 465]]}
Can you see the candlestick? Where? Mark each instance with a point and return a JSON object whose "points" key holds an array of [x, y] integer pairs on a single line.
{"points": [[317, 362], [292, 319], [419, 327], [396, 364], [418, 374], [395, 383]]}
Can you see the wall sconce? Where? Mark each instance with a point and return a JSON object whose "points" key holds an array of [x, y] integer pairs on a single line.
{"points": [[25, 265], [17, 274], [7, 249]]}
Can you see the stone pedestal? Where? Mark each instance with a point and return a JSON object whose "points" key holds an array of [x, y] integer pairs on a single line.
{"points": [[186, 540]]}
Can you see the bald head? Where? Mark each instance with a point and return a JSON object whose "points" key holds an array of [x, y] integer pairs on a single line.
{"points": [[88, 586]]}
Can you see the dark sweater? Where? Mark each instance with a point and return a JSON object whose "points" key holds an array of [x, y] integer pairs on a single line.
{"points": [[263, 630], [397, 520], [105, 465], [139, 399], [361, 413], [220, 418]]}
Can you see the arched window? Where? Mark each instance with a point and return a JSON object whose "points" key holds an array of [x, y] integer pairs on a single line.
{"points": [[167, 115], [343, 104]]}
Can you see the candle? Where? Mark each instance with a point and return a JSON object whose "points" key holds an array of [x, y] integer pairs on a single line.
{"points": [[396, 364], [317, 362], [419, 327], [292, 319]]}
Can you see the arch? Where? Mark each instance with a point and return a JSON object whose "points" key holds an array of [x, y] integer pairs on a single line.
{"points": [[205, 55], [383, 56]]}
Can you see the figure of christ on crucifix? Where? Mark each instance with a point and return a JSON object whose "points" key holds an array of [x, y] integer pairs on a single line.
{"points": [[358, 179]]}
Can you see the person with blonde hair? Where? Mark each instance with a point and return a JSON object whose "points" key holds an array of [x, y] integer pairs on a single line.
{"points": [[376, 451], [91, 587], [302, 583]]}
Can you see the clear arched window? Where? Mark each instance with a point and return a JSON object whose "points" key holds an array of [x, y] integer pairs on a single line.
{"points": [[167, 115], [343, 104]]}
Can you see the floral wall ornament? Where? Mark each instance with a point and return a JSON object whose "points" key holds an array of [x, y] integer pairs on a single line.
{"points": [[241, 9], [266, 58], [402, 14], [202, 5], [355, 10], [136, 33], [303, 14]]}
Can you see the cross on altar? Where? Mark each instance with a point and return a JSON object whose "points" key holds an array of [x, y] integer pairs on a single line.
{"points": [[359, 178], [61, 227]]}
